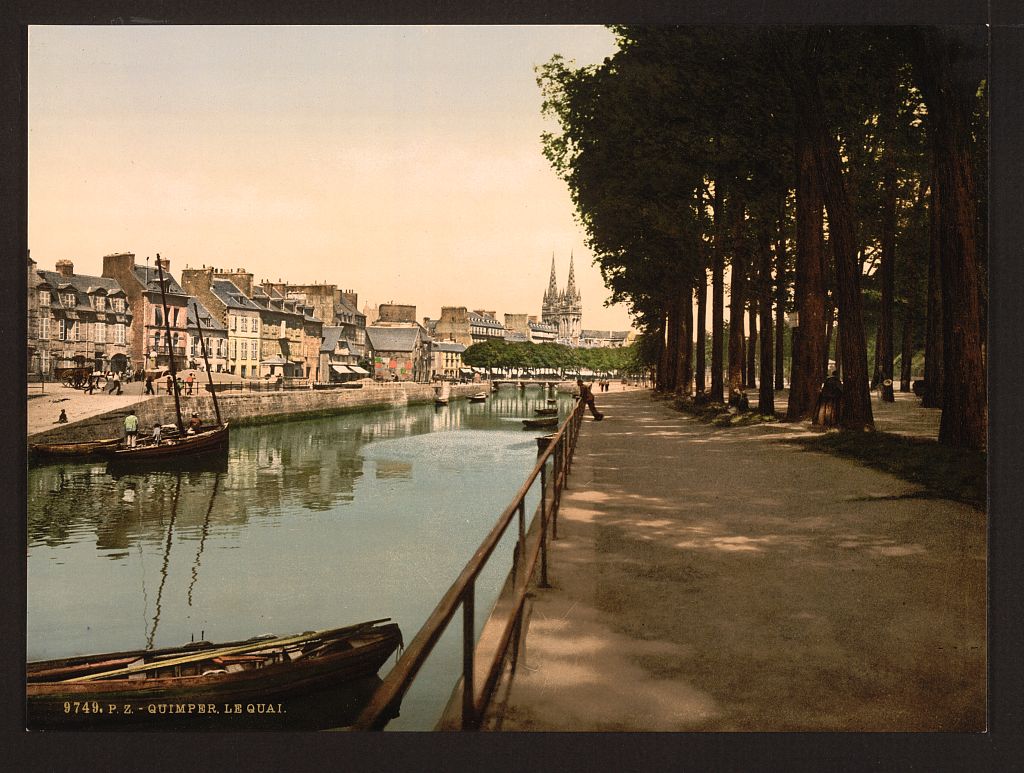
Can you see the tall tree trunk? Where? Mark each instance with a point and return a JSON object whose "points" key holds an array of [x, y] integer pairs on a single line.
{"points": [[659, 377], [672, 342], [856, 412], [702, 306], [948, 92], [809, 346], [766, 396], [751, 380], [933, 359], [887, 269], [780, 299], [736, 297], [686, 343], [907, 352], [718, 294]]}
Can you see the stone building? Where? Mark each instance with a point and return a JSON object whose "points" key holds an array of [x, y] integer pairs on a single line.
{"points": [[453, 325], [283, 328], [230, 305], [604, 339], [333, 307], [399, 353], [214, 337], [484, 327], [396, 314], [149, 329], [446, 359], [564, 308], [76, 321]]}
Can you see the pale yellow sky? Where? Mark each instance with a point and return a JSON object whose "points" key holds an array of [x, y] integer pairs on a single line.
{"points": [[402, 162]]}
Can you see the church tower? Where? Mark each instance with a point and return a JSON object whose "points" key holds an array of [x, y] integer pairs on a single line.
{"points": [[551, 306], [564, 308]]}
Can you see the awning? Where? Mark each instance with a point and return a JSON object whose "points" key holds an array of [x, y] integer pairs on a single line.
{"points": [[465, 370], [277, 360], [341, 369], [357, 369]]}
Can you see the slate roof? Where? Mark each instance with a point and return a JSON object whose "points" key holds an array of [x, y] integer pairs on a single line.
{"points": [[610, 335], [149, 279], [448, 346], [481, 321], [231, 296], [82, 285], [393, 339], [210, 322], [544, 327]]}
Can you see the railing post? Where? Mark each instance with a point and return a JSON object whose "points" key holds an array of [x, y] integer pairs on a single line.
{"points": [[469, 718], [544, 526]]}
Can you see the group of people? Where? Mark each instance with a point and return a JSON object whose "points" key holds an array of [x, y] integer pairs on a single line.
{"points": [[131, 429], [113, 382]]}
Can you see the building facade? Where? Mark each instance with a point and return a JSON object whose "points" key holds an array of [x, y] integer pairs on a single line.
{"points": [[446, 360], [77, 321], [214, 339], [563, 308], [148, 346], [230, 304], [399, 353], [484, 327]]}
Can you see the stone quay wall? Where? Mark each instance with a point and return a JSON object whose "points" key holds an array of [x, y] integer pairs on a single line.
{"points": [[243, 408]]}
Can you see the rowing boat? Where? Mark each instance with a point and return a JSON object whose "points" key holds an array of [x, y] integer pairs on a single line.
{"points": [[258, 670], [546, 421], [478, 398], [547, 411], [84, 448]]}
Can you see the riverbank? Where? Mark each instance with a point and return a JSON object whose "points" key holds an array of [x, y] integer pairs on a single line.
{"points": [[100, 415], [711, 579]]}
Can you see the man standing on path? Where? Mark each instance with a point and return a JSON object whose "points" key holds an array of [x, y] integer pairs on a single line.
{"points": [[149, 385], [131, 428], [587, 396]]}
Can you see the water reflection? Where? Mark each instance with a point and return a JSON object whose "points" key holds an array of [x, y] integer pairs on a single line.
{"points": [[312, 524]]}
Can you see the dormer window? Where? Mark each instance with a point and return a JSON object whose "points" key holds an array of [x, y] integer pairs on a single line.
{"points": [[44, 297], [68, 299], [100, 302]]}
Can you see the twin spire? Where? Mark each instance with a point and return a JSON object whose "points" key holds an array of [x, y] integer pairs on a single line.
{"points": [[570, 293]]}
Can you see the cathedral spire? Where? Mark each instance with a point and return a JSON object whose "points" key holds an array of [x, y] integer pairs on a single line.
{"points": [[552, 284], [570, 287]]}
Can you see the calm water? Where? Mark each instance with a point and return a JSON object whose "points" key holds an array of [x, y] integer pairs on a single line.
{"points": [[314, 524]]}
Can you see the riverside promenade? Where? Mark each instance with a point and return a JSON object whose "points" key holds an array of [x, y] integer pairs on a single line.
{"points": [[711, 579]]}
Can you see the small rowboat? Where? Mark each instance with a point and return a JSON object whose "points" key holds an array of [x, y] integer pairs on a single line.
{"points": [[122, 685], [440, 402], [85, 448], [547, 411], [547, 421], [478, 398], [176, 447]]}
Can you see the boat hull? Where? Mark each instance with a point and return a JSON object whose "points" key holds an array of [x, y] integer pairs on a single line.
{"points": [[540, 423], [208, 440], [85, 448], [123, 700]]}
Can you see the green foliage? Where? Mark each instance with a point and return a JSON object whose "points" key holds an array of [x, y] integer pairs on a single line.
{"points": [[497, 353]]}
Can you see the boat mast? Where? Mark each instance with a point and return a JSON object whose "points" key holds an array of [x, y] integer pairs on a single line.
{"points": [[209, 374], [170, 348]]}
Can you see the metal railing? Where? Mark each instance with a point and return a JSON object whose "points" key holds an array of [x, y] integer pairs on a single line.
{"points": [[388, 697]]}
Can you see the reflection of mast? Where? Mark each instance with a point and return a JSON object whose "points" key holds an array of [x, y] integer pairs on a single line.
{"points": [[202, 538], [163, 569]]}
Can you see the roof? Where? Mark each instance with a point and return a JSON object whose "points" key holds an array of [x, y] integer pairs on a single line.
{"points": [[210, 322], [612, 335], [347, 307], [149, 278], [393, 339], [476, 319], [544, 327], [514, 336], [231, 296], [82, 285]]}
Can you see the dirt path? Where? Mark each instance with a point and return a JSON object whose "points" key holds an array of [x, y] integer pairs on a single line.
{"points": [[717, 580]]}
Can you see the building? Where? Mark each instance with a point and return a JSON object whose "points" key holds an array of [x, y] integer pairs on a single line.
{"points": [[542, 332], [214, 339], [446, 359], [452, 325], [338, 362], [141, 284], [396, 314], [283, 327], [333, 307], [399, 353], [76, 321], [484, 327], [230, 304], [564, 308], [604, 338]]}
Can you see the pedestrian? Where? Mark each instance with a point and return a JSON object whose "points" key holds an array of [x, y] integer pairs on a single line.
{"points": [[117, 384], [188, 384], [156, 433], [828, 410], [63, 418], [131, 429], [587, 396], [170, 384], [194, 424], [149, 385], [91, 386]]}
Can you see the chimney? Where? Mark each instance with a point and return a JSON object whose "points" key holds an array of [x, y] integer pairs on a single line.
{"points": [[164, 262], [65, 268]]}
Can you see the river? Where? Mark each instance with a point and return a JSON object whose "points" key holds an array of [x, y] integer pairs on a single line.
{"points": [[314, 524]]}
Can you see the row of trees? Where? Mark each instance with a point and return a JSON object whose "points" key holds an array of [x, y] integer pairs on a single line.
{"points": [[834, 173], [498, 353]]}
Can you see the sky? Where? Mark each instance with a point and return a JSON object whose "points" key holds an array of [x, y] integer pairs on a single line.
{"points": [[402, 162]]}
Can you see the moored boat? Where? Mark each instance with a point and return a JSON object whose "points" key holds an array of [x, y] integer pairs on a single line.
{"points": [[209, 439], [84, 448], [546, 421], [123, 685], [547, 411], [479, 397]]}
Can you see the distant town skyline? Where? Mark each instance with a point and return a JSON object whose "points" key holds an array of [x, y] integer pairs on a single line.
{"points": [[404, 163]]}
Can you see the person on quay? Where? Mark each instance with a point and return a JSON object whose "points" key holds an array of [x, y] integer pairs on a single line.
{"points": [[149, 385], [63, 418], [587, 396]]}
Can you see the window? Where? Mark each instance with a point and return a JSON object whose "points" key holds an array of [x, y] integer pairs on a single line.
{"points": [[101, 333], [62, 329], [158, 315], [234, 322], [101, 303], [44, 297], [245, 324], [117, 304], [243, 371], [44, 326], [68, 299], [255, 356], [284, 330], [256, 326], [118, 333]]}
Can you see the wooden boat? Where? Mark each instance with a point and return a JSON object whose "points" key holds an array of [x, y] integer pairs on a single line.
{"points": [[123, 685], [552, 401], [547, 411], [440, 402], [479, 397], [209, 439], [546, 421], [84, 448]]}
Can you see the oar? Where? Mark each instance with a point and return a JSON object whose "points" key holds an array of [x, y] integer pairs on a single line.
{"points": [[207, 654]]}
